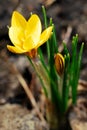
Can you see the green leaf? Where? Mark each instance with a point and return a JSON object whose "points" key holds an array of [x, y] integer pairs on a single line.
{"points": [[77, 74], [54, 37], [45, 22], [41, 77], [66, 85]]}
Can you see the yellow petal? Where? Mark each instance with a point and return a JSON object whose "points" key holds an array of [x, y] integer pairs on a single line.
{"points": [[45, 36], [16, 36], [18, 20], [29, 44], [15, 49], [34, 28]]}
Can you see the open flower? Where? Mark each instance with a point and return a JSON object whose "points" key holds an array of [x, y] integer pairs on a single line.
{"points": [[27, 36]]}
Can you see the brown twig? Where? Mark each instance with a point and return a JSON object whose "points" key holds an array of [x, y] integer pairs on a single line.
{"points": [[28, 92], [48, 2], [66, 37], [23, 83]]}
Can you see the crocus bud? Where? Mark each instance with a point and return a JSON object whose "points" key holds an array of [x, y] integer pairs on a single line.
{"points": [[59, 63]]}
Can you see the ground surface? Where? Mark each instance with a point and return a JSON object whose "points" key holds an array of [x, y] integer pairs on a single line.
{"points": [[70, 17]]}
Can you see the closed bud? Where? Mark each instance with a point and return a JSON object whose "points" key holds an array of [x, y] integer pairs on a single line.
{"points": [[59, 63]]}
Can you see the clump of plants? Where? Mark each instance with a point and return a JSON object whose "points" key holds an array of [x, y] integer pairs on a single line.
{"points": [[58, 74]]}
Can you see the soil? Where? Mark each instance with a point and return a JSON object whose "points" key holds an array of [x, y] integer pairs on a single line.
{"points": [[70, 18]]}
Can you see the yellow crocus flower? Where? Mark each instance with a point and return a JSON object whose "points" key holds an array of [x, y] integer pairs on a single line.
{"points": [[27, 36]]}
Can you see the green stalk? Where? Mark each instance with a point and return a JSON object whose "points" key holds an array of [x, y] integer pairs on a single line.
{"points": [[74, 68], [77, 75], [54, 37], [43, 60], [41, 77], [66, 86], [55, 95], [51, 47], [45, 22]]}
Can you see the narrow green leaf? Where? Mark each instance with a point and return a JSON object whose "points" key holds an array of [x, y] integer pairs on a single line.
{"points": [[38, 74], [45, 22], [66, 85], [54, 37], [55, 40], [43, 60], [44, 16], [77, 75]]}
